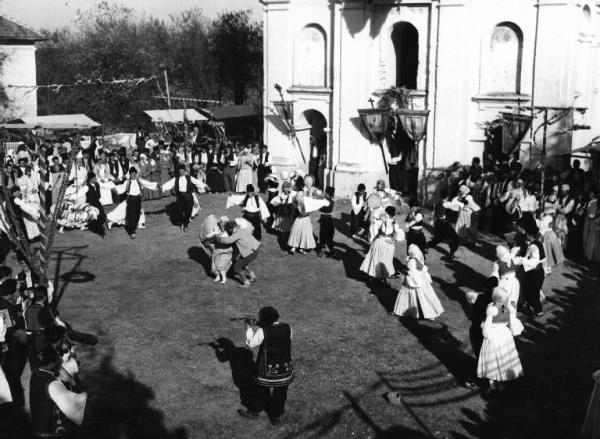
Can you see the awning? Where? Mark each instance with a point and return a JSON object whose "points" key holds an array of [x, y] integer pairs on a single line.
{"points": [[174, 115], [57, 121], [231, 112]]}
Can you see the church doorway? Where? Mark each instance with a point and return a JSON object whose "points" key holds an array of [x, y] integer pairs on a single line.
{"points": [[404, 168], [318, 145]]}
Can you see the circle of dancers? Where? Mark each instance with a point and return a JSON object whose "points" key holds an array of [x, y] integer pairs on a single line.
{"points": [[539, 219]]}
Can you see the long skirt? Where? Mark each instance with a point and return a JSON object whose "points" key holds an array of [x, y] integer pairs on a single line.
{"points": [[463, 225], [498, 357], [117, 215], [154, 177], [244, 178], [301, 234], [76, 216], [553, 249], [221, 260], [415, 302], [379, 262]]}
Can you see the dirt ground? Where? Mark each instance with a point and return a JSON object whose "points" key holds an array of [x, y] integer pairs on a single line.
{"points": [[155, 308]]}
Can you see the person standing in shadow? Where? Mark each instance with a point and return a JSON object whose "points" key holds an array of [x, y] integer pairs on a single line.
{"points": [[274, 370]]}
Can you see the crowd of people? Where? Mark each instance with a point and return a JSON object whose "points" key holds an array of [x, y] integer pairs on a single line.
{"points": [[540, 216]]}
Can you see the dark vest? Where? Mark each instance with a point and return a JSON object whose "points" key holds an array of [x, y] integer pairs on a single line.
{"points": [[274, 362], [327, 210], [189, 188], [46, 418]]}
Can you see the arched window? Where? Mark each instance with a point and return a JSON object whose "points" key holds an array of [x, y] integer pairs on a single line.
{"points": [[311, 68], [502, 74], [405, 38]]}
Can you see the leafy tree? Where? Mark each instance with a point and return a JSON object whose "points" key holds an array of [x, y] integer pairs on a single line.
{"points": [[236, 43]]}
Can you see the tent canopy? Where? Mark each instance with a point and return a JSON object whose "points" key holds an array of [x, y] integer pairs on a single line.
{"points": [[54, 121], [174, 115]]}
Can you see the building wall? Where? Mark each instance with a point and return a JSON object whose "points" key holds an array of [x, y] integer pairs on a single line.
{"points": [[19, 69], [457, 63]]}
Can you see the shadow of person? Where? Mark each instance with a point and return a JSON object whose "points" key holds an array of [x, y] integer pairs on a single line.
{"points": [[342, 224], [438, 340], [386, 295], [119, 406], [242, 366], [171, 211], [199, 255]]}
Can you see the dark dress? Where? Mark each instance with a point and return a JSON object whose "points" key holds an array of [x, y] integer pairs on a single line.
{"points": [[214, 173]]}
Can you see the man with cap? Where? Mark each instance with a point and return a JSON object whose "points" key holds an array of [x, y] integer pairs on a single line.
{"points": [[132, 188], [184, 186]]}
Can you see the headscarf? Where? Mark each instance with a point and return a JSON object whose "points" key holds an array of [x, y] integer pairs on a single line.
{"points": [[415, 253], [464, 190], [500, 296]]}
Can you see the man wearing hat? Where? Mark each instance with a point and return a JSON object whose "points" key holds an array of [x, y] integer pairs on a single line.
{"points": [[92, 197], [184, 186], [132, 188], [255, 211]]}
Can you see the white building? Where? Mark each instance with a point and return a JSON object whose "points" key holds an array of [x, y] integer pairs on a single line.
{"points": [[466, 61], [17, 46]]}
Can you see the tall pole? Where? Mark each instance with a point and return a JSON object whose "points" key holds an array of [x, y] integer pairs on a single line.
{"points": [[544, 154], [167, 88]]}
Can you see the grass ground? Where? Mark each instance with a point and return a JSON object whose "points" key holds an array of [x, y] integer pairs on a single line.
{"points": [[154, 307]]}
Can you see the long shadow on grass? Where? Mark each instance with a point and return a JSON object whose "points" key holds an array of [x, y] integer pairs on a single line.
{"points": [[241, 363], [559, 353], [199, 255], [121, 407], [61, 255]]}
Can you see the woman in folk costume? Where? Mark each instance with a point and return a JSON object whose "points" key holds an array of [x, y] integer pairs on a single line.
{"points": [[466, 206], [285, 213], [145, 172], [551, 242], [505, 270], [246, 165], [76, 213], [550, 201], [105, 180], [575, 223], [498, 358], [301, 234], [388, 196], [166, 166], [591, 229], [566, 203], [221, 254], [416, 297], [129, 213], [379, 262]]}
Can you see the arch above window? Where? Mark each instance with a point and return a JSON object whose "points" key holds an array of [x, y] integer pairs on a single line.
{"points": [[501, 73], [311, 65]]}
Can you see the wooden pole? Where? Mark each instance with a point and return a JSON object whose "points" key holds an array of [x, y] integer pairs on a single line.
{"points": [[167, 88]]}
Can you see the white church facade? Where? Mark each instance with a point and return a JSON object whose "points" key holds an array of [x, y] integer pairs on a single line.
{"points": [[464, 61], [18, 68]]}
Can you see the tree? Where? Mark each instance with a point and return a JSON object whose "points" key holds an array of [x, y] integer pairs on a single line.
{"points": [[236, 43]]}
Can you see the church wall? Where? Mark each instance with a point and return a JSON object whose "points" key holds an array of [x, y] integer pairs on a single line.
{"points": [[19, 69], [455, 54]]}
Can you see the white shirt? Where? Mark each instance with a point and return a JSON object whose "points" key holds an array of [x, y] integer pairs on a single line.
{"points": [[252, 207], [254, 338], [134, 188], [357, 207], [183, 184]]}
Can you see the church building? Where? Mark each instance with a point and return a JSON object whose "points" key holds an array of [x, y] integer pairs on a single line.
{"points": [[461, 65]]}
